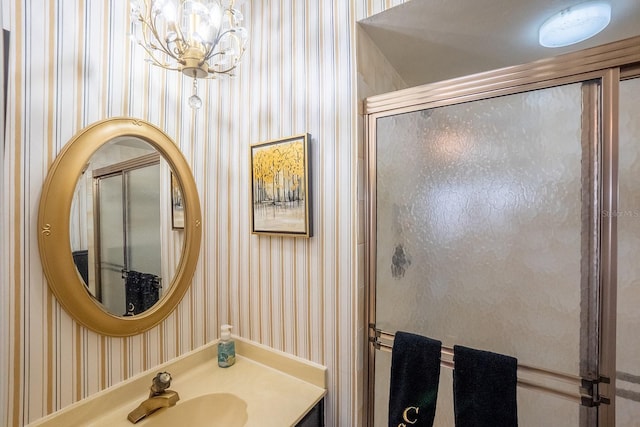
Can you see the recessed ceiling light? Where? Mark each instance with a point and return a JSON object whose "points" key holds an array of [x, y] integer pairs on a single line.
{"points": [[575, 24]]}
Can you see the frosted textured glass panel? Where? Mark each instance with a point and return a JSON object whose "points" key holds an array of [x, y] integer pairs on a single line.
{"points": [[144, 220], [628, 215], [111, 244], [479, 225]]}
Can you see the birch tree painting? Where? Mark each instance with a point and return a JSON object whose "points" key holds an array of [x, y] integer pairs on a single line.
{"points": [[280, 186]]}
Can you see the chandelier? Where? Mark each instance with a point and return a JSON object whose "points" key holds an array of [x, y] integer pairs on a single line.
{"points": [[200, 38]]}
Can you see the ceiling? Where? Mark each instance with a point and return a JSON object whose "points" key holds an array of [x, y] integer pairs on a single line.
{"points": [[433, 40]]}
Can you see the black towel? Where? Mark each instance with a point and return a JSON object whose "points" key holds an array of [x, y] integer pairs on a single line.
{"points": [[484, 388], [142, 291], [415, 372]]}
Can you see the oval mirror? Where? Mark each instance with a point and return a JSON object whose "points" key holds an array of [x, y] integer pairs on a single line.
{"points": [[120, 226]]}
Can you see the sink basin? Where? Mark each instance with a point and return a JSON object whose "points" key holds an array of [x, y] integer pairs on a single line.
{"points": [[223, 409]]}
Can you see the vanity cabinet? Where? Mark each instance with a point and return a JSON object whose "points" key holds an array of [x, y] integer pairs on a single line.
{"points": [[315, 417]]}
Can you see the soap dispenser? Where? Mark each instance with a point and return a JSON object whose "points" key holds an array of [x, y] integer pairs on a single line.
{"points": [[226, 348]]}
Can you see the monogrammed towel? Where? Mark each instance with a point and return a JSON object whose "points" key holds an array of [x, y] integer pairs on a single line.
{"points": [[415, 372]]}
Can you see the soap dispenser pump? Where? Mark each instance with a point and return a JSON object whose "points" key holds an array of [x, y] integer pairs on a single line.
{"points": [[226, 348]]}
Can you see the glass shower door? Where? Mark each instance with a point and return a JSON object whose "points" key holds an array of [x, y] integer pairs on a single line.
{"points": [[483, 212], [628, 318], [143, 220], [129, 239], [111, 240]]}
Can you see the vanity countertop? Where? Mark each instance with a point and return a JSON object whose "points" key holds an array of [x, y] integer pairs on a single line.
{"points": [[278, 388]]}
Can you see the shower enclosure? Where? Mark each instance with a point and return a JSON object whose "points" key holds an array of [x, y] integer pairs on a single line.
{"points": [[493, 222], [128, 221]]}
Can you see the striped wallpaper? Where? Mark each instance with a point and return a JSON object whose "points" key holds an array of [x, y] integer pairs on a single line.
{"points": [[72, 64]]}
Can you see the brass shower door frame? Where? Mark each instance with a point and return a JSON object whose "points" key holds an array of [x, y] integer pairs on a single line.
{"points": [[604, 64], [121, 169]]}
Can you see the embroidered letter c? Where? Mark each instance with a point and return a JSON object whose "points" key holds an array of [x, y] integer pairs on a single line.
{"points": [[405, 414]]}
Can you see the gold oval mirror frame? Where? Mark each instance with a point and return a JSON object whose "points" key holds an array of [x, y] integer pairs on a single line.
{"points": [[53, 226]]}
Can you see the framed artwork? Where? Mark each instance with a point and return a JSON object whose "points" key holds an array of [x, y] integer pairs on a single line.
{"points": [[177, 204], [280, 187]]}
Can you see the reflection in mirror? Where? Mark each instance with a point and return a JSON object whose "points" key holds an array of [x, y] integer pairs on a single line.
{"points": [[121, 227]]}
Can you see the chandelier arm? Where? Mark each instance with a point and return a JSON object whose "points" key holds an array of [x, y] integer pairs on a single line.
{"points": [[150, 24], [222, 53], [151, 28], [231, 10], [224, 33], [227, 71], [156, 61], [165, 48], [181, 46], [232, 67], [211, 53]]}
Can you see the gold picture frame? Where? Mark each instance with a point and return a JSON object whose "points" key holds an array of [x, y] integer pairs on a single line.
{"points": [[280, 187]]}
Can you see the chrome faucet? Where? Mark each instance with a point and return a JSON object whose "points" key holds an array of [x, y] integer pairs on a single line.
{"points": [[159, 397]]}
